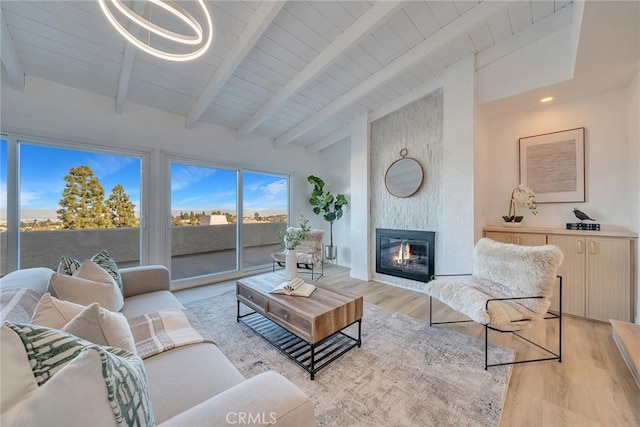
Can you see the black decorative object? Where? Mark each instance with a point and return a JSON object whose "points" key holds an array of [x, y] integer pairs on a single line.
{"points": [[582, 226], [581, 215]]}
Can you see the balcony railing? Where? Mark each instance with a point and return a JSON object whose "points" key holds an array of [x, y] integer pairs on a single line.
{"points": [[195, 250]]}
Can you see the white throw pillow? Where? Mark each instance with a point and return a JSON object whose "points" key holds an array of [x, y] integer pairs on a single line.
{"points": [[77, 383], [69, 265], [17, 379], [102, 327], [89, 284], [54, 313]]}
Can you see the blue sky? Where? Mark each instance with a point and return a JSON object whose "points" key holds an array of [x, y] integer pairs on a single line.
{"points": [[196, 188]]}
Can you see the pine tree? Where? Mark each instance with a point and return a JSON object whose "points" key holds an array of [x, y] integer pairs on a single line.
{"points": [[82, 204], [121, 208]]}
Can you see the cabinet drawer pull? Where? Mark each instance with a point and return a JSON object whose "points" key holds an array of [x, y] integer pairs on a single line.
{"points": [[286, 316], [592, 247], [251, 297], [518, 240], [580, 247]]}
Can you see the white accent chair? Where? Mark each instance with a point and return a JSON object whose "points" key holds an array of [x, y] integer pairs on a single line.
{"points": [[308, 253], [510, 288]]}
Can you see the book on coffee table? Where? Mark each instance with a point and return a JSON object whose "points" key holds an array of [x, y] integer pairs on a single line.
{"points": [[295, 287]]}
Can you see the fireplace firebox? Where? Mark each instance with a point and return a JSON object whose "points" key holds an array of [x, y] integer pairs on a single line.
{"points": [[405, 253]]}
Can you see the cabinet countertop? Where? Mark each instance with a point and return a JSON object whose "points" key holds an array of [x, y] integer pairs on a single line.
{"points": [[557, 230]]}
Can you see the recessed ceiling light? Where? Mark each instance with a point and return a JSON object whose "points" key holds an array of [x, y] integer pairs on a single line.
{"points": [[547, 99]]}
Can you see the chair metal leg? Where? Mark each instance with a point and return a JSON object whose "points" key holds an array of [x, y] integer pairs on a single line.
{"points": [[554, 356]]}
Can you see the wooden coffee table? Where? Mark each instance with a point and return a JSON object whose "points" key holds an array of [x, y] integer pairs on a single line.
{"points": [[310, 331]]}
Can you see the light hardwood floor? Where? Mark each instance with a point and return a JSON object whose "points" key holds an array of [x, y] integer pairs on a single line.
{"points": [[591, 387]]}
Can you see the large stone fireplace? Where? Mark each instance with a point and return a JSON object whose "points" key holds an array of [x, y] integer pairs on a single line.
{"points": [[405, 253]]}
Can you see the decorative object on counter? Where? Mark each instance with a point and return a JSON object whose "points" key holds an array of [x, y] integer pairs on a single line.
{"points": [[582, 226], [291, 238], [581, 215], [552, 164], [521, 195], [329, 206]]}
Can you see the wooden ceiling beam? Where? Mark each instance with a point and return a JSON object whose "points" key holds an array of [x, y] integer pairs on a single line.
{"points": [[127, 63], [432, 44], [329, 140], [361, 28], [10, 59], [259, 22]]}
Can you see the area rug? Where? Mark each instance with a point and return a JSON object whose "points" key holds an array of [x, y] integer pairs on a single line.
{"points": [[405, 374]]}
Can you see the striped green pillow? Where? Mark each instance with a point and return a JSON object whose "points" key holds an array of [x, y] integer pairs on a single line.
{"points": [[50, 350]]}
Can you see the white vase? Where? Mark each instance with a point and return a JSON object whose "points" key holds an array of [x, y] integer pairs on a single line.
{"points": [[290, 263], [513, 224]]}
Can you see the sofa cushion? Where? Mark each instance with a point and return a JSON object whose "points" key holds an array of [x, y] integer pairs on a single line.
{"points": [[186, 376], [78, 383], [89, 284], [148, 303]]}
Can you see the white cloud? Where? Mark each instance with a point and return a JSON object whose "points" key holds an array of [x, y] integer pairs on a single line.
{"points": [[270, 196], [184, 176], [108, 165]]}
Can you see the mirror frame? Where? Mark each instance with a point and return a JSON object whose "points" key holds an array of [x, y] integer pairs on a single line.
{"points": [[403, 156]]}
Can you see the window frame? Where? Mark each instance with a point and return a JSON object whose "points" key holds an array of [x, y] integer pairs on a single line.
{"points": [[14, 139]]}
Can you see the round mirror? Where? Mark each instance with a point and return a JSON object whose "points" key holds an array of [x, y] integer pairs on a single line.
{"points": [[404, 176]]}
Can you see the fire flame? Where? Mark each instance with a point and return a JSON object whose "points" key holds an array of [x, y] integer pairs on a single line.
{"points": [[407, 252]]}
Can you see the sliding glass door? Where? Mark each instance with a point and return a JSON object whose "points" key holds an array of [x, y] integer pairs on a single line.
{"points": [[213, 207], [203, 220], [265, 206], [3, 205]]}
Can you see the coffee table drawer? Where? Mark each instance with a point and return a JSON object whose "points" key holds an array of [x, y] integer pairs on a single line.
{"points": [[290, 320], [252, 298]]}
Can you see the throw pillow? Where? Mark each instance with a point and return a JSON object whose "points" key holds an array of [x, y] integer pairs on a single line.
{"points": [[103, 259], [69, 265], [89, 284], [92, 323], [17, 304], [54, 313], [78, 383], [102, 327]]}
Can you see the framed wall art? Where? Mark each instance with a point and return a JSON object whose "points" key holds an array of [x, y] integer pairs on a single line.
{"points": [[552, 165]]}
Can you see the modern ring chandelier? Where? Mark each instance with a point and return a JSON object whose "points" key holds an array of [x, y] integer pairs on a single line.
{"points": [[197, 41]]}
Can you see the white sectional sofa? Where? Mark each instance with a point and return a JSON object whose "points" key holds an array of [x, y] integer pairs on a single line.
{"points": [[193, 385]]}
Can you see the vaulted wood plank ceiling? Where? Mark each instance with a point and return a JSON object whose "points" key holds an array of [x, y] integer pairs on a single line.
{"points": [[296, 72]]}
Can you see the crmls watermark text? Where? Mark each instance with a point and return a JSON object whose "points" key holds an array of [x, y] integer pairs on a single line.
{"points": [[251, 418]]}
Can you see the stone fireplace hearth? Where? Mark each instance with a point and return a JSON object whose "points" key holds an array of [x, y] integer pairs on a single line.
{"points": [[405, 253]]}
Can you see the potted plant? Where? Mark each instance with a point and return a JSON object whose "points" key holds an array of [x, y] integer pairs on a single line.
{"points": [[329, 206], [521, 195]]}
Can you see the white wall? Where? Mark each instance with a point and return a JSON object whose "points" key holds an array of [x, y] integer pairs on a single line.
{"points": [[55, 111], [633, 161], [336, 173], [360, 204], [542, 63], [606, 166], [458, 169]]}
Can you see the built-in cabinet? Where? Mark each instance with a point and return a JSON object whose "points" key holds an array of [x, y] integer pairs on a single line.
{"points": [[598, 271]]}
